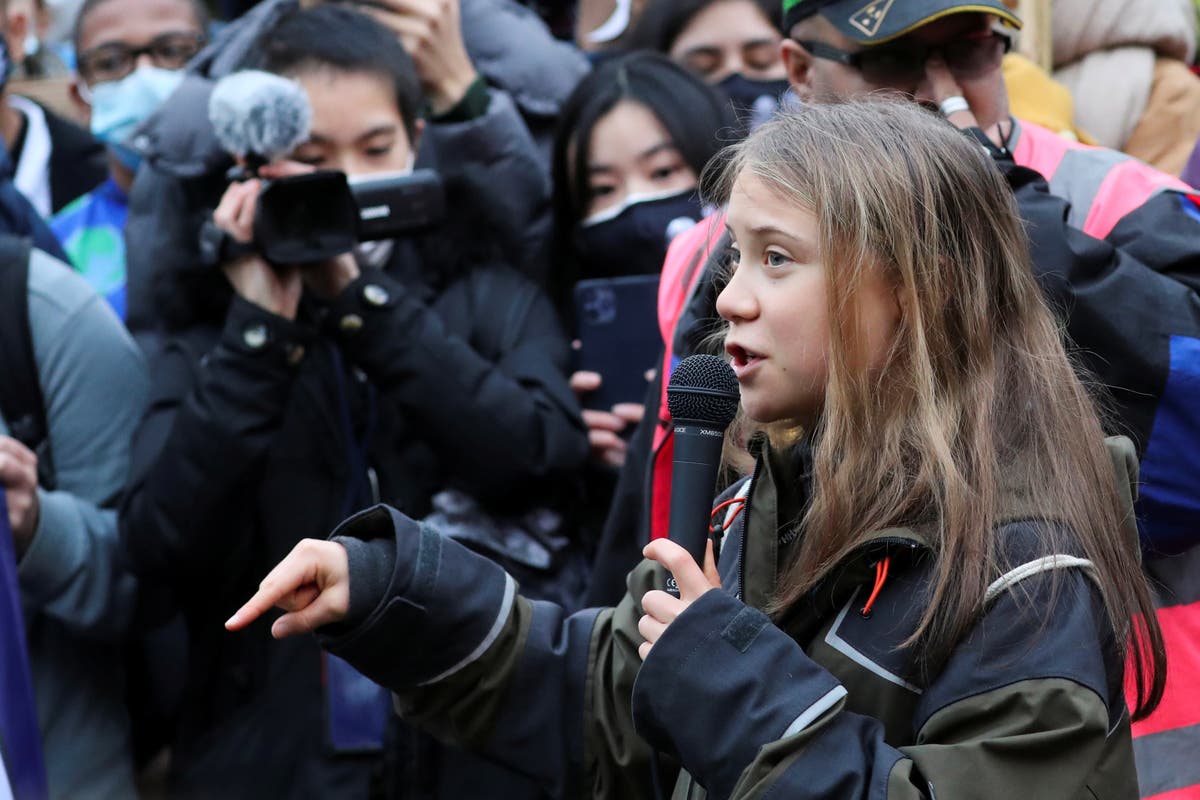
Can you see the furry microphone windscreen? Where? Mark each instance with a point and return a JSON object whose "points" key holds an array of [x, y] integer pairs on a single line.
{"points": [[258, 114]]}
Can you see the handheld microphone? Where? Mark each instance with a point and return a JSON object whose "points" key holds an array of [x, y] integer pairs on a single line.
{"points": [[258, 116], [703, 398]]}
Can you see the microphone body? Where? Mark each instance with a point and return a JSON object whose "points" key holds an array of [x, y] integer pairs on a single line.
{"points": [[693, 482], [703, 398]]}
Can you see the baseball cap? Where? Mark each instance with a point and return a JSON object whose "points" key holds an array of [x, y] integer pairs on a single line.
{"points": [[877, 21]]}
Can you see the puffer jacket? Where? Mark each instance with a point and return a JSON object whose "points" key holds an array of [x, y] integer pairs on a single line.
{"points": [[820, 702], [262, 431], [1126, 65]]}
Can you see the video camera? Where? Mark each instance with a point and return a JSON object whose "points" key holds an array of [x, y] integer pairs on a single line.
{"points": [[303, 219]]}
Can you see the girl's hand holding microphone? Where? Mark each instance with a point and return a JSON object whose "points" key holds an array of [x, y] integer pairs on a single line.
{"points": [[662, 608], [312, 585]]}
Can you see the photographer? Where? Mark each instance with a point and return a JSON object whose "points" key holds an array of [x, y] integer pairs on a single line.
{"points": [[481, 109], [288, 396]]}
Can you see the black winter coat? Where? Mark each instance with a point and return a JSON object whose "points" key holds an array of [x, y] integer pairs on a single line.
{"points": [[266, 431]]}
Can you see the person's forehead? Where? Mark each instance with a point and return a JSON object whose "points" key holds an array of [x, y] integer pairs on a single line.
{"points": [[725, 22], [624, 133], [347, 104], [135, 22]]}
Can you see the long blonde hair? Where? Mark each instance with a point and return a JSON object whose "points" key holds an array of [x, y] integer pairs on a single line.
{"points": [[977, 401]]}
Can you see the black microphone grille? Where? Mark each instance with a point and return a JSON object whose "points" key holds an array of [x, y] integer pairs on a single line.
{"points": [[703, 388]]}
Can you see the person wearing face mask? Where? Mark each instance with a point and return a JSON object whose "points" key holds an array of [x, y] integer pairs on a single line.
{"points": [[731, 44], [633, 138], [131, 55], [632, 141], [287, 396]]}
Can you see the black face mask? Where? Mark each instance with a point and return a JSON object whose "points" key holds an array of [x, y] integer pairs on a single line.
{"points": [[632, 239], [754, 102]]}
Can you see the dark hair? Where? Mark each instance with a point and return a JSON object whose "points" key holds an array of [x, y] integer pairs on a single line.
{"points": [[694, 115], [663, 20], [332, 36], [199, 13]]}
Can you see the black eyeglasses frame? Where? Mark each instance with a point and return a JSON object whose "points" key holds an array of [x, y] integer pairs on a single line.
{"points": [[915, 55]]}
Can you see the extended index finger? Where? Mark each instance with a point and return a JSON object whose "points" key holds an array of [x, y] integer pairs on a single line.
{"points": [[288, 576]]}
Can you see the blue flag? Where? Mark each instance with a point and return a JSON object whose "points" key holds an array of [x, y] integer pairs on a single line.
{"points": [[22, 771]]}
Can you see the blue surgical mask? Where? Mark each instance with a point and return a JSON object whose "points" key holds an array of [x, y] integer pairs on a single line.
{"points": [[119, 107]]}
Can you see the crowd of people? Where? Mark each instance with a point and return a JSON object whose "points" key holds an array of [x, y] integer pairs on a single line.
{"points": [[955, 539]]}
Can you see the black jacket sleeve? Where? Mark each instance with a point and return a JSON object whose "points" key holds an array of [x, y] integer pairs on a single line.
{"points": [[510, 419], [206, 431], [1121, 304]]}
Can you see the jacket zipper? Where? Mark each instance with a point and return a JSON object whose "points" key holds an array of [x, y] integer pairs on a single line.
{"points": [[746, 531]]}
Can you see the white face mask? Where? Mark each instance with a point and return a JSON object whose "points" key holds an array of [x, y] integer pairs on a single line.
{"points": [[375, 255]]}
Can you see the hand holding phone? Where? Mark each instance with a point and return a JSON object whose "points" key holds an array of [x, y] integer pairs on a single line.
{"points": [[616, 322], [607, 429]]}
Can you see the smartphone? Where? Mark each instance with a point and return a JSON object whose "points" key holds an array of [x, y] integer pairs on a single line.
{"points": [[616, 323]]}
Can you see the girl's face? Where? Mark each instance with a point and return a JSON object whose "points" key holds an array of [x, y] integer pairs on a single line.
{"points": [[356, 125], [727, 37], [632, 154], [776, 304]]}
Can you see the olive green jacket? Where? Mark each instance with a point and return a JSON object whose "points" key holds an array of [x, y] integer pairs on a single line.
{"points": [[821, 702]]}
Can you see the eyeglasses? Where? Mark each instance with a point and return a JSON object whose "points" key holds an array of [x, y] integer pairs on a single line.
{"points": [[904, 65], [112, 62]]}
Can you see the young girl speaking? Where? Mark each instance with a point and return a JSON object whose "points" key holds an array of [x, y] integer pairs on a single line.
{"points": [[927, 587]]}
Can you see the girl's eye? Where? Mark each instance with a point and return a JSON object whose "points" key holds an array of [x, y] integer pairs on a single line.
{"points": [[312, 161], [600, 191], [775, 259], [662, 173], [378, 152]]}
